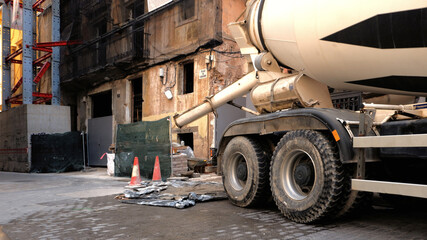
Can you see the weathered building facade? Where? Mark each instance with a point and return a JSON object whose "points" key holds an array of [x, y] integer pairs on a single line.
{"points": [[145, 65]]}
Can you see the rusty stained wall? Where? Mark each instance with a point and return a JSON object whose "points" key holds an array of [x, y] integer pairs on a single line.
{"points": [[157, 106], [227, 67], [224, 71], [231, 11], [119, 14], [170, 36]]}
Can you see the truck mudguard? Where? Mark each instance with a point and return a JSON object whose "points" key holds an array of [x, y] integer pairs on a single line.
{"points": [[296, 119]]}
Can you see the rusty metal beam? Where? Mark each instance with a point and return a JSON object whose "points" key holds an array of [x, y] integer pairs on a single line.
{"points": [[58, 43], [17, 85], [41, 100], [42, 95], [43, 49], [12, 100], [13, 55], [42, 58], [41, 72], [37, 4]]}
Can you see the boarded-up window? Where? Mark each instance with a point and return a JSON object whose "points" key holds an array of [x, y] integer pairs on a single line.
{"points": [[188, 9]]}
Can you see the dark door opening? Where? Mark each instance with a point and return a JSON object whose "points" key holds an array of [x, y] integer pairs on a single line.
{"points": [[137, 99], [101, 104], [188, 84], [187, 138]]}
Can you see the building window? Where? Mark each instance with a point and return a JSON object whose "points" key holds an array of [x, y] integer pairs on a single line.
{"points": [[101, 104], [187, 138], [100, 46], [188, 9], [188, 78], [135, 10], [137, 100]]}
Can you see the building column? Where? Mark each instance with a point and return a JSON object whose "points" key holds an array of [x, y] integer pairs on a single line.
{"points": [[27, 52], [56, 37], [6, 85]]}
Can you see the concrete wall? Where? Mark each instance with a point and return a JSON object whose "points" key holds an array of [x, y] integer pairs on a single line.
{"points": [[14, 140], [18, 124]]}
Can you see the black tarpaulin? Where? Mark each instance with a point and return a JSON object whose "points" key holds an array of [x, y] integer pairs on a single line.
{"points": [[54, 153]]}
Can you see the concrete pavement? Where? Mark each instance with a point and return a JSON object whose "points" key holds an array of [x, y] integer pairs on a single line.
{"points": [[82, 206], [23, 194]]}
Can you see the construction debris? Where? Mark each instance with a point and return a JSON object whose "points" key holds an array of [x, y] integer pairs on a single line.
{"points": [[174, 193]]}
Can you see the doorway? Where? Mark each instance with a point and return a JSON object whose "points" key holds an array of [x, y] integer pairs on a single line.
{"points": [[100, 128], [137, 99]]}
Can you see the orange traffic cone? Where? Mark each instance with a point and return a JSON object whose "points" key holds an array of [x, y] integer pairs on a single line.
{"points": [[157, 176], [135, 181]]}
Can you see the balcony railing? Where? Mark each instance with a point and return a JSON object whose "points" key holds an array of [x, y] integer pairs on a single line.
{"points": [[128, 47]]}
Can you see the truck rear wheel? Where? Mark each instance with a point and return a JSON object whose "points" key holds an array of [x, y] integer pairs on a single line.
{"points": [[307, 177], [245, 168], [356, 201]]}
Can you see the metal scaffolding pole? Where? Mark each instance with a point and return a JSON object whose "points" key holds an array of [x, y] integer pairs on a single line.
{"points": [[6, 85], [30, 62], [27, 53], [56, 37]]}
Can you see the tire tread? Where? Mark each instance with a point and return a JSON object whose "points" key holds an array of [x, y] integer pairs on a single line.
{"points": [[328, 203]]}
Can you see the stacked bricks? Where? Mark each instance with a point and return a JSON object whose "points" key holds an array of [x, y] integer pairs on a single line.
{"points": [[179, 164]]}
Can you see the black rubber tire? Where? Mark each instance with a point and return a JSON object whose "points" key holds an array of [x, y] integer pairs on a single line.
{"points": [[326, 194], [355, 202], [256, 189]]}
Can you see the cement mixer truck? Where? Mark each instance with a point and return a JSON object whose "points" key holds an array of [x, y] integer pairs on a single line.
{"points": [[316, 161]]}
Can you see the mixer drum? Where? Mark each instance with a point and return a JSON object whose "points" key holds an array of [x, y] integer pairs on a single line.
{"points": [[371, 46]]}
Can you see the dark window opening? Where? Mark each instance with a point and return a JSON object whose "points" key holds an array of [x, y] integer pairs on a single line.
{"points": [[135, 10], [187, 138], [188, 83], [101, 104], [101, 50], [74, 117], [137, 100], [188, 9]]}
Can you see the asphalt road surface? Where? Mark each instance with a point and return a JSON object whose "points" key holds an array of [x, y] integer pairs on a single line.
{"points": [[82, 206]]}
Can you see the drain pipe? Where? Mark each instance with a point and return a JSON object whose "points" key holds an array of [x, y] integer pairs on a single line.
{"points": [[84, 155]]}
